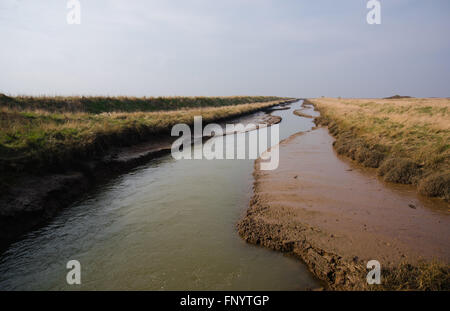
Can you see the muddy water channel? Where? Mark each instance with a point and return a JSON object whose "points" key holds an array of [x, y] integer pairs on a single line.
{"points": [[168, 225]]}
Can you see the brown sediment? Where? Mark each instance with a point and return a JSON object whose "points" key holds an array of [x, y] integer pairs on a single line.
{"points": [[301, 114], [264, 121], [34, 199], [336, 216], [270, 120]]}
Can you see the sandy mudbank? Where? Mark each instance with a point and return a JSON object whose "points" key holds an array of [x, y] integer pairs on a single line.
{"points": [[336, 217], [301, 114]]}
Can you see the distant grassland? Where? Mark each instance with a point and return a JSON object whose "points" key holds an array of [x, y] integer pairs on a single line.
{"points": [[408, 140], [88, 104], [36, 132]]}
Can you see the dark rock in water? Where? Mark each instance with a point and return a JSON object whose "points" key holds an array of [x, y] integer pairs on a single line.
{"points": [[412, 206]]}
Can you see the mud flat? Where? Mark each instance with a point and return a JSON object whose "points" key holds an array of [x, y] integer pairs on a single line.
{"points": [[336, 216], [301, 114]]}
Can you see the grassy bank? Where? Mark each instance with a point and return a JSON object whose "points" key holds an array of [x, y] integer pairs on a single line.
{"points": [[100, 104], [406, 139], [41, 132]]}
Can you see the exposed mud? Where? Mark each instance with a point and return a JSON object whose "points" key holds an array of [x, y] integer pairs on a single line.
{"points": [[281, 107], [301, 114], [336, 216]]}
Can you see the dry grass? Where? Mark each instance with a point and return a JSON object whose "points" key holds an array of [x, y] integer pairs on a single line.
{"points": [[100, 104], [36, 138], [424, 276], [408, 138]]}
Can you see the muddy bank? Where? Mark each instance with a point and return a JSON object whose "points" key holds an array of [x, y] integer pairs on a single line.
{"points": [[281, 107], [301, 114], [336, 217], [34, 199]]}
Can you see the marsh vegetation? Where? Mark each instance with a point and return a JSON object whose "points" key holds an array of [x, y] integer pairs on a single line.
{"points": [[39, 132], [406, 139]]}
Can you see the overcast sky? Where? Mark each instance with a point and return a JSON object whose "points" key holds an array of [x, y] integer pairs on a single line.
{"points": [[300, 48]]}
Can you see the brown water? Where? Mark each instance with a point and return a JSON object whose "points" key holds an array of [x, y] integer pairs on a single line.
{"points": [[168, 225]]}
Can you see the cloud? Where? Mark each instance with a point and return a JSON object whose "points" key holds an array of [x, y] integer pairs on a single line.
{"points": [[290, 48]]}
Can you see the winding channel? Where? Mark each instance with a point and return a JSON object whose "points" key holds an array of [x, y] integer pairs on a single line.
{"points": [[167, 225]]}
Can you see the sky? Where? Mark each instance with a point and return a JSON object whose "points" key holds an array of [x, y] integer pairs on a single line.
{"points": [[295, 48]]}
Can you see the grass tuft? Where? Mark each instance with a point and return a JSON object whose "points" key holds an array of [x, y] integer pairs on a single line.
{"points": [[424, 276], [399, 170], [436, 185]]}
